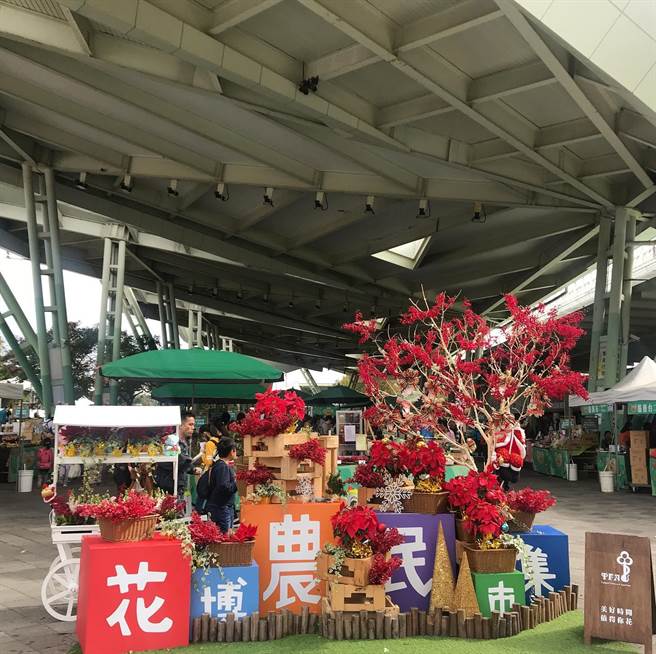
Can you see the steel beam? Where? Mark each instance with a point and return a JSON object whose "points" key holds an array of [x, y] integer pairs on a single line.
{"points": [[21, 358], [627, 286], [17, 313], [599, 304], [35, 259]]}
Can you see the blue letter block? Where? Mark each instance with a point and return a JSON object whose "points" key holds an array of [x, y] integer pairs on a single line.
{"points": [[225, 590], [548, 555]]}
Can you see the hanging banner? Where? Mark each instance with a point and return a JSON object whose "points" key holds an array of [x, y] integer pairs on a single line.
{"points": [[619, 589], [288, 540], [641, 408], [594, 409], [410, 585]]}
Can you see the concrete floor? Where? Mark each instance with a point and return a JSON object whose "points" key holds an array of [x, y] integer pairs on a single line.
{"points": [[26, 551]]}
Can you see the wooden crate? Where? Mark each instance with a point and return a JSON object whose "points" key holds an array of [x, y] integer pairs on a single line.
{"points": [[354, 572], [365, 495], [273, 446], [391, 609], [289, 485], [345, 597], [284, 467]]}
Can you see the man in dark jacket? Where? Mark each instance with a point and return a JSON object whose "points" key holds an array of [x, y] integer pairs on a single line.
{"points": [[164, 471], [223, 486]]}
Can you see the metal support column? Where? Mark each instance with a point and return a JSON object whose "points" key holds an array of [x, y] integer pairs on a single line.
{"points": [[599, 302], [163, 324], [14, 309], [137, 320], [21, 358], [58, 283], [111, 313], [172, 315], [627, 286], [615, 301], [195, 326], [314, 387], [35, 259]]}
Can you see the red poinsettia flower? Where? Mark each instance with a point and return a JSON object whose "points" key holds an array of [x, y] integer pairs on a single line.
{"points": [[367, 477], [382, 569], [204, 532], [311, 449], [260, 474], [124, 507], [273, 414], [420, 457], [358, 523], [530, 501], [386, 539], [243, 533]]}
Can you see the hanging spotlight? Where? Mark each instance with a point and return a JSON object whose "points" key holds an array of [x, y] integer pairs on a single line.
{"points": [[424, 208], [309, 84], [369, 204], [172, 188], [291, 302], [221, 192], [240, 293], [126, 184], [82, 181], [317, 304], [268, 196], [321, 201], [479, 213]]}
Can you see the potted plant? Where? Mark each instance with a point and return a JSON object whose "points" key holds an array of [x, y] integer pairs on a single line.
{"points": [[361, 540], [525, 504], [335, 486], [460, 491], [129, 517], [261, 479], [312, 451], [236, 547], [369, 481], [169, 507], [426, 462]]}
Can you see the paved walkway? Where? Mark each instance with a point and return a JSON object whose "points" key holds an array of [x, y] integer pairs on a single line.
{"points": [[26, 552]]}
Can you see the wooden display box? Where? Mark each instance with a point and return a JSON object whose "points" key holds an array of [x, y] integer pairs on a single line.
{"points": [[366, 496], [354, 572], [272, 446], [639, 440], [289, 485], [391, 610], [284, 467], [345, 597]]}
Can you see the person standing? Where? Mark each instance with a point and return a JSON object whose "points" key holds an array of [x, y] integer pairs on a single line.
{"points": [[44, 461], [223, 486], [164, 471]]}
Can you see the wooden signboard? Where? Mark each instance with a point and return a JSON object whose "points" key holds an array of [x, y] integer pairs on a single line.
{"points": [[619, 589]]}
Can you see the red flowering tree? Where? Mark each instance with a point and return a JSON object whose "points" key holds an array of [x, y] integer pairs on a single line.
{"points": [[274, 413], [457, 367]]}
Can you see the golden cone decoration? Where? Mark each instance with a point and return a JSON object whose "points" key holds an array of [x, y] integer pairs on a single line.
{"points": [[465, 594], [442, 590]]}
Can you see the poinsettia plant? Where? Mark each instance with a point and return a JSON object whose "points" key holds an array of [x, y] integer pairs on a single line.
{"points": [[312, 450], [367, 477], [204, 532], [243, 534], [449, 363], [274, 413], [426, 462], [529, 500], [386, 455], [124, 507], [358, 524], [170, 507]]}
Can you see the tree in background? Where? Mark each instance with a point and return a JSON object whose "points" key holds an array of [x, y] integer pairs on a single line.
{"points": [[83, 342]]}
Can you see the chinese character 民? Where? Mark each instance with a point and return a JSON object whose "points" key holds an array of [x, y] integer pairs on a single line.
{"points": [[293, 545], [229, 599], [140, 579], [407, 550]]}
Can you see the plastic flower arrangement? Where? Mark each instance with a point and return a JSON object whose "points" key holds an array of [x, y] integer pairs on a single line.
{"points": [[367, 477], [170, 507], [382, 568], [260, 474], [272, 414], [124, 507], [426, 462], [433, 371], [204, 532], [244, 533], [312, 450], [386, 455], [530, 501]]}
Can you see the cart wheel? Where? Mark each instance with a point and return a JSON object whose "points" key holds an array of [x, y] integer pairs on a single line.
{"points": [[59, 590], [75, 552]]}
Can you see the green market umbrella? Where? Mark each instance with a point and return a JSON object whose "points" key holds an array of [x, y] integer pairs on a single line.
{"points": [[227, 393], [194, 365], [339, 395]]}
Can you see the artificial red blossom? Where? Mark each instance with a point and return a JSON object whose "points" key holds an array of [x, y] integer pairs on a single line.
{"points": [[311, 449], [424, 458], [273, 414], [484, 519], [433, 372], [530, 501], [382, 569], [204, 532], [124, 507], [367, 477], [356, 524], [170, 507], [385, 539], [260, 474], [242, 534], [386, 455]]}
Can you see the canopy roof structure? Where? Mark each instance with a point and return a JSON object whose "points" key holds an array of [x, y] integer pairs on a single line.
{"points": [[194, 365], [638, 385], [11, 391], [283, 163]]}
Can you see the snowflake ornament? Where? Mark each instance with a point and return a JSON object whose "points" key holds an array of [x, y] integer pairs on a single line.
{"points": [[392, 494], [305, 487]]}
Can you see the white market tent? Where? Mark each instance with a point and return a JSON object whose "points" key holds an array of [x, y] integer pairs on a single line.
{"points": [[638, 385], [11, 391]]}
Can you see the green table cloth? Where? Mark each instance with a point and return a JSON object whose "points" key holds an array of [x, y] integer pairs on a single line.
{"points": [[551, 461], [652, 470], [621, 473]]}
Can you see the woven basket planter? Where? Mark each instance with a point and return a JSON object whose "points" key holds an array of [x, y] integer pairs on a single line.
{"points": [[233, 554], [462, 533], [420, 502], [501, 560], [129, 530], [521, 521]]}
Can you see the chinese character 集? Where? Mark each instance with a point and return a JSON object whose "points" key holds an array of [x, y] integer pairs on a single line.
{"points": [[407, 550], [538, 562], [293, 545], [140, 579]]}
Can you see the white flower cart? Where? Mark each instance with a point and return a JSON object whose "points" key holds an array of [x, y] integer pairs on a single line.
{"points": [[59, 588]]}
